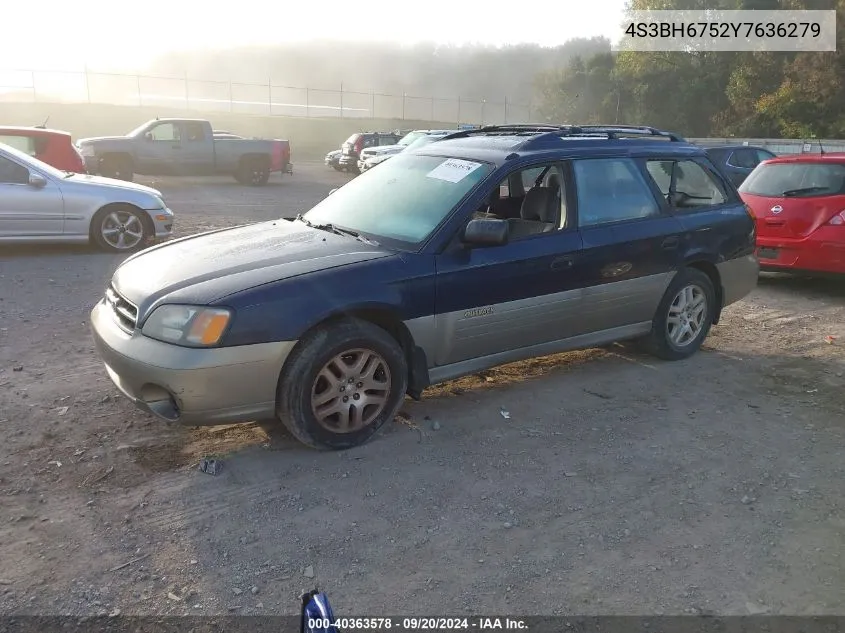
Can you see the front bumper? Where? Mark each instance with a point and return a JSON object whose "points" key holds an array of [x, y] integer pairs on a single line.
{"points": [[191, 386], [163, 222], [92, 164], [348, 161]]}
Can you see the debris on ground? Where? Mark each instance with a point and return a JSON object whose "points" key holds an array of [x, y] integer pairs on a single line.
{"points": [[505, 413], [63, 410], [830, 339], [211, 466], [309, 571]]}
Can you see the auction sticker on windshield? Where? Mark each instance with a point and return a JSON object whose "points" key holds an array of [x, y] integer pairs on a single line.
{"points": [[453, 170]]}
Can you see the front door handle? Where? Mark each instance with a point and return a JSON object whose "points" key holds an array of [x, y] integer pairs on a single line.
{"points": [[562, 263], [670, 243]]}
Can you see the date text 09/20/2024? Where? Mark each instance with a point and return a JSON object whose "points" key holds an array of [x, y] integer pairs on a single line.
{"points": [[419, 624]]}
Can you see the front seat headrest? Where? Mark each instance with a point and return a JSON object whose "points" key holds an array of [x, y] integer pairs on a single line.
{"points": [[539, 205]]}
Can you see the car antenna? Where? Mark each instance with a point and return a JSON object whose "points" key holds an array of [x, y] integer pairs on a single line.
{"points": [[821, 149], [43, 126]]}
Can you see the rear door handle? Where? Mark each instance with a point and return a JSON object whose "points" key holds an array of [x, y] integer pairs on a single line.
{"points": [[562, 263], [670, 243]]}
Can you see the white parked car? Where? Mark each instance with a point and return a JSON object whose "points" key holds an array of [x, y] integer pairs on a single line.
{"points": [[39, 203], [423, 137]]}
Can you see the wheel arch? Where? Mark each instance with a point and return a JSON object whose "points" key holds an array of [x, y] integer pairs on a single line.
{"points": [[706, 265], [145, 216], [390, 320]]}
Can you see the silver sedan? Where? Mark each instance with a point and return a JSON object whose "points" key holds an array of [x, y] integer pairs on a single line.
{"points": [[39, 203]]}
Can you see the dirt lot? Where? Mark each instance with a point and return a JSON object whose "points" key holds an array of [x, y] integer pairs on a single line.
{"points": [[618, 485]]}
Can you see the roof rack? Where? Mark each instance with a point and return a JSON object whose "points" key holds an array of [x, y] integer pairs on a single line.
{"points": [[561, 131]]}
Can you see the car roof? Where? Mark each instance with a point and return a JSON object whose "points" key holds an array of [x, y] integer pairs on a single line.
{"points": [[21, 130], [728, 147], [500, 144], [832, 157]]}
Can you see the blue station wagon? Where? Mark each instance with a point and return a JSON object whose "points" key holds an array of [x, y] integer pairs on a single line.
{"points": [[489, 246]]}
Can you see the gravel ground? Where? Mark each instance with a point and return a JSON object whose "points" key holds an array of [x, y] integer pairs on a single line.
{"points": [[618, 484]]}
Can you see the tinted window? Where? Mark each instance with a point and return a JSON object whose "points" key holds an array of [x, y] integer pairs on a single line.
{"points": [[165, 132], [12, 173], [405, 199], [387, 140], [24, 144], [744, 158], [795, 179], [694, 186], [195, 131], [611, 190], [763, 155]]}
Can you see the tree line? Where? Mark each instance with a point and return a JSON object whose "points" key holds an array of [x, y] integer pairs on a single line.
{"points": [[705, 94]]}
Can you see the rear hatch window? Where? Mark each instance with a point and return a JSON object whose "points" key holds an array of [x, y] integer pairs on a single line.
{"points": [[795, 180]]}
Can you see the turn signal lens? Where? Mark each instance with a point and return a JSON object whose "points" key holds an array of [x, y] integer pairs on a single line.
{"points": [[208, 327]]}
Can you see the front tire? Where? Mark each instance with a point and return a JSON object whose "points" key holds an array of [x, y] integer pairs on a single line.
{"points": [[684, 316], [341, 384], [121, 229]]}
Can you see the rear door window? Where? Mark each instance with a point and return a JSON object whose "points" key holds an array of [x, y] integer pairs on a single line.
{"points": [[793, 180], [25, 144], [194, 131]]}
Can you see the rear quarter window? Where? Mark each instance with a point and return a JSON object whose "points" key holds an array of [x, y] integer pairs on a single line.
{"points": [[795, 180]]}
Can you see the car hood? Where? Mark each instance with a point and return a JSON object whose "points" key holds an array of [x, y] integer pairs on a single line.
{"points": [[96, 139], [111, 182], [384, 149], [204, 268]]}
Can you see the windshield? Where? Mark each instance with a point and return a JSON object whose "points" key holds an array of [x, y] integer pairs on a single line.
{"points": [[31, 161], [795, 180], [138, 129], [405, 199], [409, 138], [425, 140]]}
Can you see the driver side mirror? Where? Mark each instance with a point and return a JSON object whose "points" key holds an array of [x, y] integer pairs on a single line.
{"points": [[37, 180], [148, 136], [486, 232]]}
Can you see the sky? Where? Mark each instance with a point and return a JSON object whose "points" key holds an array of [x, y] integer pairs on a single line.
{"points": [[105, 34]]}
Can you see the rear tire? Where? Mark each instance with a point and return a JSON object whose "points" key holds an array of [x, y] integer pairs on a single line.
{"points": [[683, 318], [320, 385], [253, 172], [117, 167]]}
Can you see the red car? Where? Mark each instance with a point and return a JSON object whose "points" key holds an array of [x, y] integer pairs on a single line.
{"points": [[53, 147], [799, 206]]}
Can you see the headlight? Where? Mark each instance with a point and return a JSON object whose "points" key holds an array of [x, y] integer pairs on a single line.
{"points": [[192, 326]]}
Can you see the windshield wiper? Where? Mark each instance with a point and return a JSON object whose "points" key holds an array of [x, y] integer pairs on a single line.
{"points": [[796, 192], [335, 229]]}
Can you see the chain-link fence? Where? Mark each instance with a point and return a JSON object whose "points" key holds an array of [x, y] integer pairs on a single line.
{"points": [[191, 95]]}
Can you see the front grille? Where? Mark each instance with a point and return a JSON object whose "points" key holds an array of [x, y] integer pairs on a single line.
{"points": [[125, 313]]}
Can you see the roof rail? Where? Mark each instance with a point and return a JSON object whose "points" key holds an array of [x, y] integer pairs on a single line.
{"points": [[561, 131]]}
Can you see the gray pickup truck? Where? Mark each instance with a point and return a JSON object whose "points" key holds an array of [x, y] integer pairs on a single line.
{"points": [[185, 147]]}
